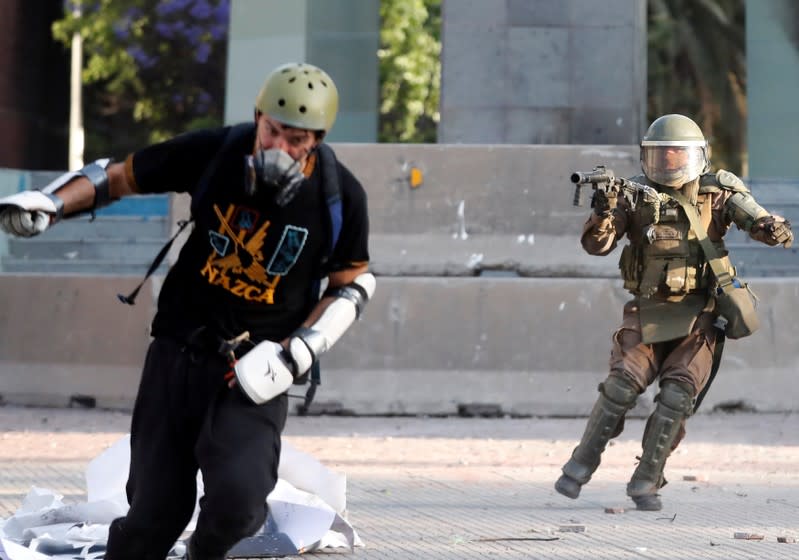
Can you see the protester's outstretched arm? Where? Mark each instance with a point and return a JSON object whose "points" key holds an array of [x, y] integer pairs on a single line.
{"points": [[94, 186]]}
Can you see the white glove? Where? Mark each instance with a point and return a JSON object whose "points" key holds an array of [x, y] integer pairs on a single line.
{"points": [[23, 223], [27, 213], [262, 373]]}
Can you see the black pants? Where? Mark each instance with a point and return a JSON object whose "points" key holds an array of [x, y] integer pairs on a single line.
{"points": [[186, 418]]}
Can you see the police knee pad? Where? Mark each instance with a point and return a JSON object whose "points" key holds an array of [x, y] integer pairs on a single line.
{"points": [[678, 397], [619, 390]]}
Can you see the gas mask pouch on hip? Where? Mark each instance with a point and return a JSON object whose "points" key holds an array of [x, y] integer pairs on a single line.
{"points": [[273, 171]]}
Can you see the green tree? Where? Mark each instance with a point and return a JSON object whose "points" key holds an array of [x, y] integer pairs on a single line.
{"points": [[152, 68], [410, 70], [697, 66]]}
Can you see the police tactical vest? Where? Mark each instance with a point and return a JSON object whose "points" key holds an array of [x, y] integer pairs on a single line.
{"points": [[664, 259]]}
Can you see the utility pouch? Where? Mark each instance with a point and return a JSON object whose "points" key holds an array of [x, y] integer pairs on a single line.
{"points": [[628, 265], [736, 305], [735, 301], [677, 276]]}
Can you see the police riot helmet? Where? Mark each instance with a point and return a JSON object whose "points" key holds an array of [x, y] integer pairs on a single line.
{"points": [[299, 95], [674, 151]]}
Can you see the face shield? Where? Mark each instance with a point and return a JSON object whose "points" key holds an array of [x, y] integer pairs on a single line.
{"points": [[673, 164]]}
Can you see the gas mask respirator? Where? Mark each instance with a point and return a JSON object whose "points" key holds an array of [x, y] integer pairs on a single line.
{"points": [[274, 171]]}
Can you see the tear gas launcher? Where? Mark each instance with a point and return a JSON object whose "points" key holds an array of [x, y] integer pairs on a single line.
{"points": [[603, 179]]}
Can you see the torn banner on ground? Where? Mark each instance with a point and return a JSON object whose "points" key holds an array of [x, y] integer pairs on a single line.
{"points": [[307, 511]]}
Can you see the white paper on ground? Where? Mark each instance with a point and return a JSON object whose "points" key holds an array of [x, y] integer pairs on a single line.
{"points": [[305, 472], [12, 551], [308, 505], [303, 517]]}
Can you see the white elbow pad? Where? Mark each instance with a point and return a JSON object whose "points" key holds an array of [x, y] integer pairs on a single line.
{"points": [[308, 343]]}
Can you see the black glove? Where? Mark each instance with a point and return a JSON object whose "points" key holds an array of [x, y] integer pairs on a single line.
{"points": [[779, 229], [601, 204]]}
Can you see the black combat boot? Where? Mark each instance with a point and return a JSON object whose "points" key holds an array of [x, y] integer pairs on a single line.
{"points": [[193, 552], [674, 404], [617, 395]]}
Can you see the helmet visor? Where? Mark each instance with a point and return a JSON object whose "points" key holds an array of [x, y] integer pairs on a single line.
{"points": [[673, 166]]}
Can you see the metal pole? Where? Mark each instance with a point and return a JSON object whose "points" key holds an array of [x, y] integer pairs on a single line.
{"points": [[76, 135]]}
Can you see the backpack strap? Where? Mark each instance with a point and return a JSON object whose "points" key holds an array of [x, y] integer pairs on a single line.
{"points": [[234, 133], [725, 280], [331, 192]]}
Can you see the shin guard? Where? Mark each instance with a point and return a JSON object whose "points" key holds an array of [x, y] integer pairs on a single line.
{"points": [[674, 404], [616, 397]]}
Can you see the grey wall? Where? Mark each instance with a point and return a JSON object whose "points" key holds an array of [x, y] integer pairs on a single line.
{"points": [[772, 62], [340, 36], [543, 71], [484, 296]]}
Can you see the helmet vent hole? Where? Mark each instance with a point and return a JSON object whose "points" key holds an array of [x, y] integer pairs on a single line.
{"points": [[310, 85], [324, 83], [292, 79], [302, 108], [281, 102]]}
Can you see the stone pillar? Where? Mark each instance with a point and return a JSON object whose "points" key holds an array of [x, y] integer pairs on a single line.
{"points": [[340, 36], [772, 65], [543, 71]]}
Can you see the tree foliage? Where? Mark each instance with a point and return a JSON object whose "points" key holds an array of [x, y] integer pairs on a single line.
{"points": [[152, 68], [410, 70], [697, 66]]}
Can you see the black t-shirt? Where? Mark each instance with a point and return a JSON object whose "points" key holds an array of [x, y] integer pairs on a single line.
{"points": [[248, 264]]}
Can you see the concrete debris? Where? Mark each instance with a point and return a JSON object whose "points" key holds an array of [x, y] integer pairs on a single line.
{"points": [[789, 540], [695, 478], [614, 510], [749, 536]]}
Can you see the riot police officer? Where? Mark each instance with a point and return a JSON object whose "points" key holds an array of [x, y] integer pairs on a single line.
{"points": [[670, 329]]}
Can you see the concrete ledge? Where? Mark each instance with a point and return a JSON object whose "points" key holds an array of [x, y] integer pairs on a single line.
{"points": [[527, 255], [533, 346]]}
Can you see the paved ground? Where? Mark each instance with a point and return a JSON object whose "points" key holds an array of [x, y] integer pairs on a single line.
{"points": [[444, 488]]}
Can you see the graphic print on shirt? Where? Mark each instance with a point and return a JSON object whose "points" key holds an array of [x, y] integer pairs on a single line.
{"points": [[288, 250], [236, 262]]}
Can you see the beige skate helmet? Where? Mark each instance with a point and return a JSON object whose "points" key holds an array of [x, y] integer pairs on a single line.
{"points": [[299, 95]]}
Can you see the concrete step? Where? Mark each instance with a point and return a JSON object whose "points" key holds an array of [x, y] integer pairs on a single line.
{"points": [[754, 260], [128, 227], [524, 255], [91, 267], [105, 245], [541, 256], [110, 249]]}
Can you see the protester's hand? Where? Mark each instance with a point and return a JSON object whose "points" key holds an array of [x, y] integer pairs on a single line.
{"points": [[601, 203], [778, 228], [263, 372], [28, 213], [23, 223]]}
